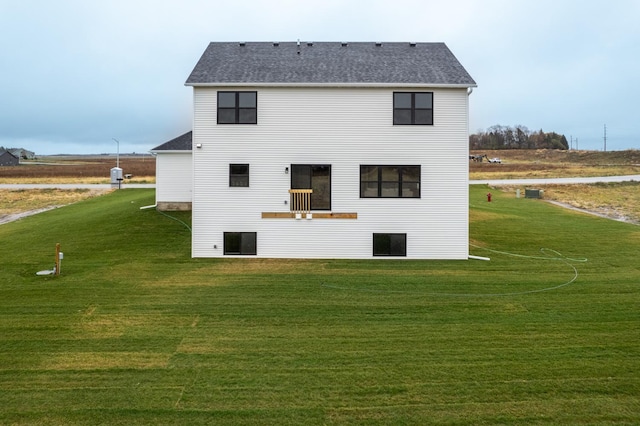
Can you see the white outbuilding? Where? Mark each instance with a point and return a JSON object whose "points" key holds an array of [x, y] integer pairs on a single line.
{"points": [[174, 177]]}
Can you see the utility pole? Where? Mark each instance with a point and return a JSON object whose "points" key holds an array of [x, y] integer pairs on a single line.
{"points": [[117, 152], [605, 138], [571, 143]]}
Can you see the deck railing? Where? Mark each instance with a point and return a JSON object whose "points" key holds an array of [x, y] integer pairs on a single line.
{"points": [[300, 208], [300, 201]]}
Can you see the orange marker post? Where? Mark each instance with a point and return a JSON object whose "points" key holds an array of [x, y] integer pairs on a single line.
{"points": [[57, 259]]}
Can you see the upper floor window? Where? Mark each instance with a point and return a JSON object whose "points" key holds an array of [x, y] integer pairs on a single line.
{"points": [[413, 108], [238, 175], [389, 181], [237, 107]]}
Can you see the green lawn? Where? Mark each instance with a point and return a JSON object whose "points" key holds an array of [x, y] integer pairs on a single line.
{"points": [[134, 331]]}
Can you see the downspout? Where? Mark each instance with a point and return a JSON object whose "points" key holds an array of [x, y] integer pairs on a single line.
{"points": [[154, 205], [479, 258], [486, 259]]}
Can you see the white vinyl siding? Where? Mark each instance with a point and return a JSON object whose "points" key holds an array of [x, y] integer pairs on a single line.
{"points": [[173, 177], [344, 128]]}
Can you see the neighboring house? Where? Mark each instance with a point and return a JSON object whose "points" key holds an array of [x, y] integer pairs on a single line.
{"points": [[23, 154], [330, 150], [174, 178], [8, 159]]}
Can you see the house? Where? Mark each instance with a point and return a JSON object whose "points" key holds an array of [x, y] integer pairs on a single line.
{"points": [[23, 153], [173, 173], [8, 159], [330, 150]]}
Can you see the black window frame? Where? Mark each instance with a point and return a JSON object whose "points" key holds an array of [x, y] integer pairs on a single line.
{"points": [[236, 179], [237, 109], [309, 171], [388, 242], [380, 182], [229, 247], [413, 110]]}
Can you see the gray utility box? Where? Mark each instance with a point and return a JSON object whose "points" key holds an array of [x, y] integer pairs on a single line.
{"points": [[116, 177], [533, 193]]}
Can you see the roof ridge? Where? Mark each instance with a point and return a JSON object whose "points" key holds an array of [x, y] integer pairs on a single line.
{"points": [[420, 63]]}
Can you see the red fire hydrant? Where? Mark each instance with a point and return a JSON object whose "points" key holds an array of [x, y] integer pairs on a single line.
{"points": [[489, 197]]}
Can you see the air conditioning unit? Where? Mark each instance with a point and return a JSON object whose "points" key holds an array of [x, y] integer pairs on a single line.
{"points": [[533, 193]]}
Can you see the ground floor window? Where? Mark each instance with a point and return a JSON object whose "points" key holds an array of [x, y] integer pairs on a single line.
{"points": [[389, 181], [240, 243], [239, 175], [389, 244]]}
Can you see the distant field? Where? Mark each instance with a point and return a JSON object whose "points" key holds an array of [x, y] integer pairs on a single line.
{"points": [[548, 163], [66, 169], [515, 164], [613, 200], [79, 169]]}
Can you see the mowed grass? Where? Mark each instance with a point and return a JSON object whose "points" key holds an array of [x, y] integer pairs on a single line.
{"points": [[134, 331]]}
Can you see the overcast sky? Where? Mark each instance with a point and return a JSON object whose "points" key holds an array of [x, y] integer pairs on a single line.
{"points": [[75, 74]]}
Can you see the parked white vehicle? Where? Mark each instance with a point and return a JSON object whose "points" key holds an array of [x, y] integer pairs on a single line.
{"points": [[495, 160]]}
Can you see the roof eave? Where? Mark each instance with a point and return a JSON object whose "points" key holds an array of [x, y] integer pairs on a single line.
{"points": [[377, 85], [170, 151]]}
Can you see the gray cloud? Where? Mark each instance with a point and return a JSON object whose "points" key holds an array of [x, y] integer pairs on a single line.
{"points": [[76, 74]]}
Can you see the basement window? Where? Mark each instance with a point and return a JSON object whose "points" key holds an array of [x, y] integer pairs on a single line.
{"points": [[240, 243], [389, 244]]}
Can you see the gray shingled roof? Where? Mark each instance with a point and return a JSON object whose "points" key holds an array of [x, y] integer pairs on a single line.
{"points": [[329, 63], [181, 143]]}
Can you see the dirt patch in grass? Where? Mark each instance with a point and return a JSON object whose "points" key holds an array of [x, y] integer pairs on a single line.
{"points": [[105, 360], [479, 216], [16, 204], [272, 266], [190, 279], [195, 345], [618, 201]]}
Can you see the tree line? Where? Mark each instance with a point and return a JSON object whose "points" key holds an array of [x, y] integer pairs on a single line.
{"points": [[518, 137]]}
